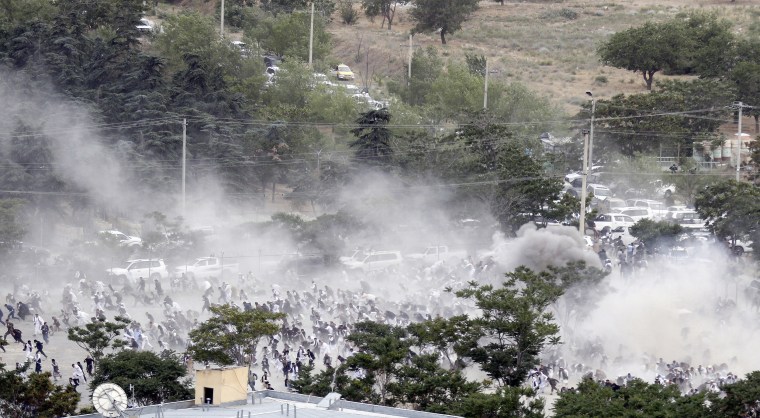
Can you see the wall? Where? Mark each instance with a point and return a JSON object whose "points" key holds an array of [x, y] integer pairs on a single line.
{"points": [[230, 385]]}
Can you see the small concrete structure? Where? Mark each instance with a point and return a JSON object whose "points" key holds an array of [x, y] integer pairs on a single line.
{"points": [[221, 386]]}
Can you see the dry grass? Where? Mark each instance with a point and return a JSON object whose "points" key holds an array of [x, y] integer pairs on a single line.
{"points": [[539, 44]]}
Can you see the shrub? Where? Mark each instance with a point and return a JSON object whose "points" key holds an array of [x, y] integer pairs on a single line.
{"points": [[348, 15]]}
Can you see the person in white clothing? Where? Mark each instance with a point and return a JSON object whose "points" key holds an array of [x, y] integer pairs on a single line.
{"points": [[38, 324]]}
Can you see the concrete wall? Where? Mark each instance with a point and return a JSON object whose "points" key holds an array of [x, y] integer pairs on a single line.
{"points": [[230, 385], [399, 412], [152, 409], [355, 406]]}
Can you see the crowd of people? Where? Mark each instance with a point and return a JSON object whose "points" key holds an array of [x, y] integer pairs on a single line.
{"points": [[319, 316]]}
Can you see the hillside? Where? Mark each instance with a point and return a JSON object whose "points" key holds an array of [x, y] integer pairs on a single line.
{"points": [[549, 46]]}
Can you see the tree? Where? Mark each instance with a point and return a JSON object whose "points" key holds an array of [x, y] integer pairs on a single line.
{"points": [[711, 44], [636, 399], [288, 35], [325, 8], [646, 49], [191, 33], [731, 210], [97, 336], [384, 8], [505, 402], [514, 325], [476, 64], [373, 138], [427, 66], [34, 396], [156, 378], [381, 348], [444, 15], [656, 234], [635, 131], [231, 335], [740, 398], [420, 383]]}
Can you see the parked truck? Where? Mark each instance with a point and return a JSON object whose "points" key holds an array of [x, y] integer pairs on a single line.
{"points": [[207, 267]]}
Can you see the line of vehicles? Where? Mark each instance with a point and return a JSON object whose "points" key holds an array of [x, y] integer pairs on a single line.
{"points": [[359, 261], [155, 269], [617, 214]]}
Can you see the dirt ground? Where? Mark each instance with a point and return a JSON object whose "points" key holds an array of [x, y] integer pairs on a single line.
{"points": [[548, 46]]}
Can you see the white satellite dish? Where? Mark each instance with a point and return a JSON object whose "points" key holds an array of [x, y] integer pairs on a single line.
{"points": [[110, 400]]}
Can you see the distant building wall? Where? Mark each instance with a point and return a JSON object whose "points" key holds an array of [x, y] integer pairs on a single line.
{"points": [[230, 385]]}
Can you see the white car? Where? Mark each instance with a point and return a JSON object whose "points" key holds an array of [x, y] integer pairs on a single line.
{"points": [[123, 239], [146, 26], [208, 267], [375, 261], [658, 208], [599, 191], [687, 218], [614, 221], [133, 270], [436, 253], [741, 247], [637, 213]]}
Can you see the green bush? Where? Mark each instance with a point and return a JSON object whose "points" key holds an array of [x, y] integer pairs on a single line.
{"points": [[348, 15]]}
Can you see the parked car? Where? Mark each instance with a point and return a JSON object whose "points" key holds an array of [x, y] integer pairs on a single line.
{"points": [[658, 208], [435, 253], [146, 26], [741, 247], [123, 239], [599, 191], [663, 189], [342, 72], [207, 267], [687, 218], [133, 270], [614, 221], [242, 47], [637, 213], [611, 204], [375, 261]]}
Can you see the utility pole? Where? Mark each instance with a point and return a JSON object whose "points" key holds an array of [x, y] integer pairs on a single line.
{"points": [[319, 165], [311, 36], [739, 142], [184, 162], [221, 29], [409, 67], [584, 176], [591, 137], [485, 88]]}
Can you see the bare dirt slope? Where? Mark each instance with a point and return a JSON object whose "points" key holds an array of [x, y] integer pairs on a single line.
{"points": [[549, 46]]}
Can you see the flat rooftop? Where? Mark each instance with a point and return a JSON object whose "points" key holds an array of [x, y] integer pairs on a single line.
{"points": [[271, 404]]}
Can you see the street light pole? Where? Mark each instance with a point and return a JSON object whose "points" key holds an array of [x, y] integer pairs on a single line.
{"points": [[311, 36], [739, 142], [221, 26], [584, 175], [591, 137], [485, 88]]}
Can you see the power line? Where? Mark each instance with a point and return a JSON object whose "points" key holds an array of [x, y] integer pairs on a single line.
{"points": [[268, 123]]}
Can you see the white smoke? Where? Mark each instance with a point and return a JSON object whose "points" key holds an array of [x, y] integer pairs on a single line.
{"points": [[538, 248]]}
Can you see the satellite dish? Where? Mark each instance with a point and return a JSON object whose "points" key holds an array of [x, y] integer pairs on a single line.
{"points": [[109, 399]]}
